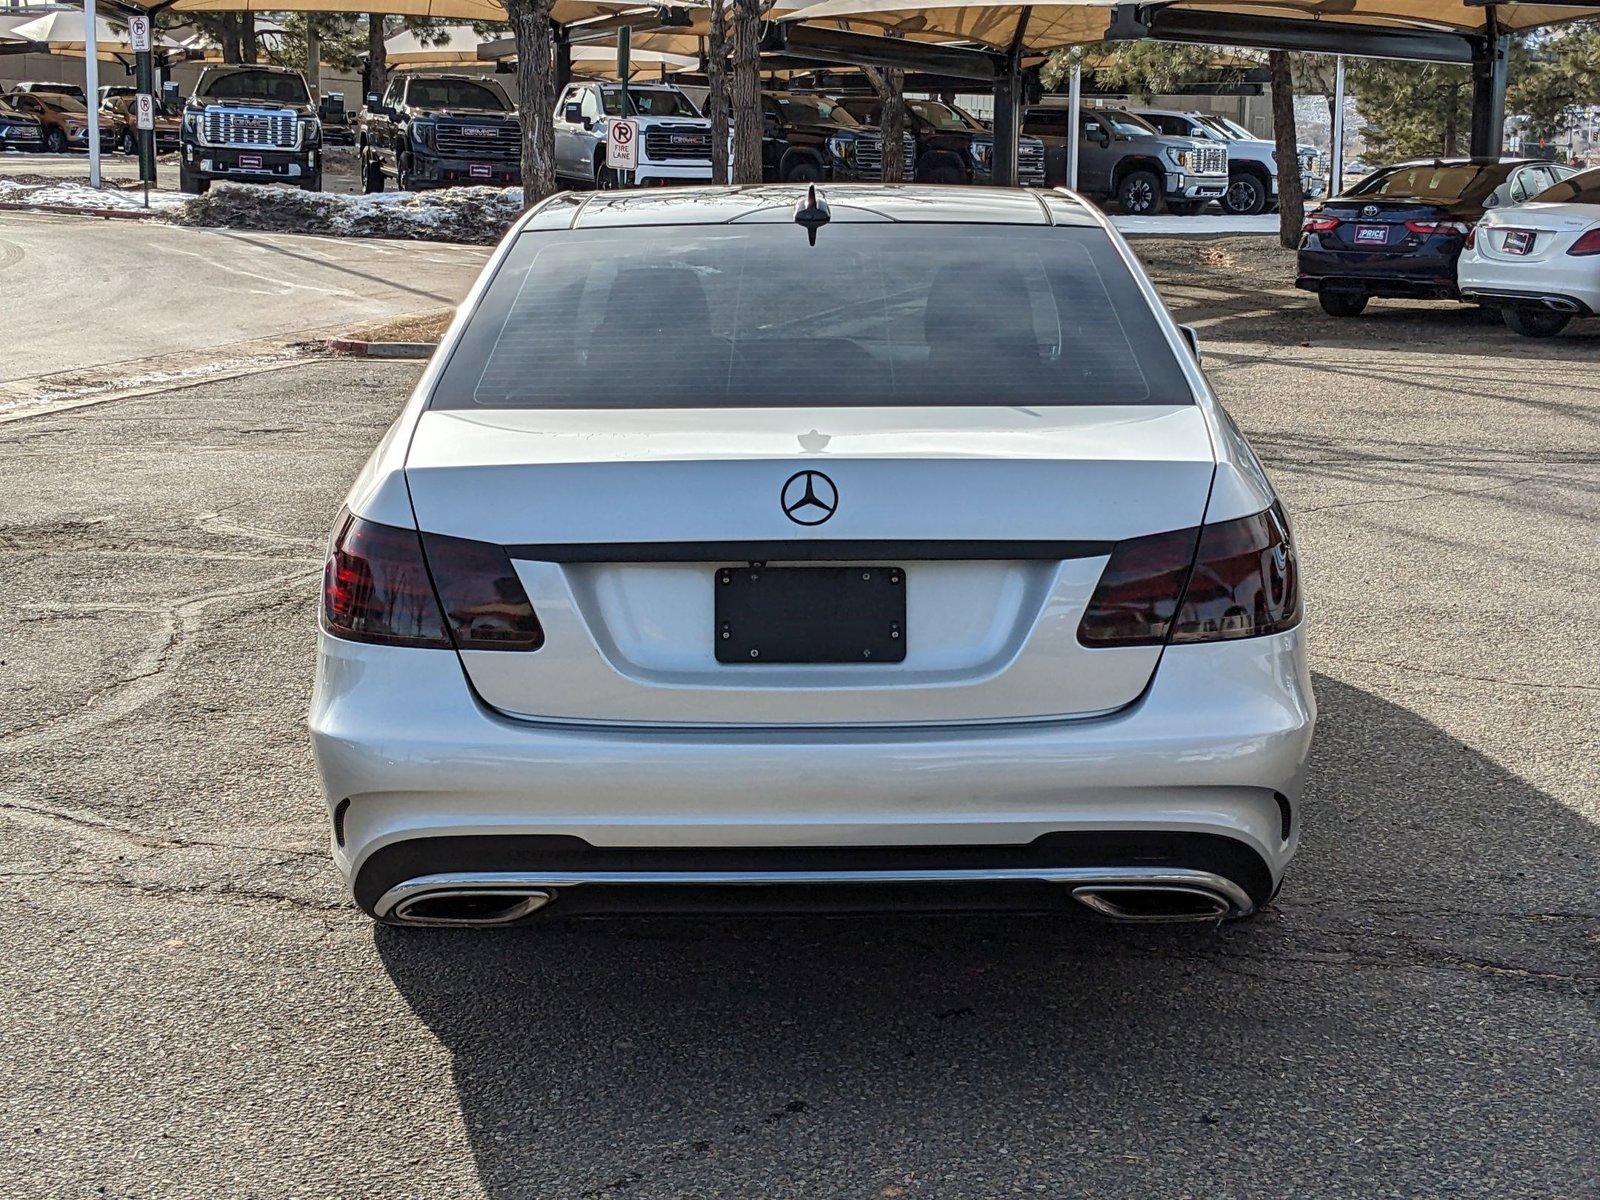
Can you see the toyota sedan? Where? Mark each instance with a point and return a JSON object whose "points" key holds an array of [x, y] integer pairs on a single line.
{"points": [[766, 548]]}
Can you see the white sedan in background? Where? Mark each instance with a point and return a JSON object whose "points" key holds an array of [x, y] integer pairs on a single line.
{"points": [[1538, 262], [763, 549]]}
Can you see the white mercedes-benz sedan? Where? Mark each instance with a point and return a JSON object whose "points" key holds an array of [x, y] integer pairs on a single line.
{"points": [[763, 548], [1538, 262]]}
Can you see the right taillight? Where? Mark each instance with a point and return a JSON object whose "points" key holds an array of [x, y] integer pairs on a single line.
{"points": [[380, 587], [1233, 579], [1589, 243]]}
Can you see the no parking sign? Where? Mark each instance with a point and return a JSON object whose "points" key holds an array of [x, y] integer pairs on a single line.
{"points": [[622, 145]]}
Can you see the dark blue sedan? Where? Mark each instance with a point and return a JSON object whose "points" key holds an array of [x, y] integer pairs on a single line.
{"points": [[1400, 230]]}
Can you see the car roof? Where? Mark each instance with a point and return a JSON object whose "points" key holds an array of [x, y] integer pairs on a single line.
{"points": [[1464, 161], [911, 203]]}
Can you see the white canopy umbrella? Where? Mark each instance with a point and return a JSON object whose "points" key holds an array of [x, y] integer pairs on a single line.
{"points": [[66, 33], [449, 46]]}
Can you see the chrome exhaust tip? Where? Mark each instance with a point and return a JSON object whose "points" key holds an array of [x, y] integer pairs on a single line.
{"points": [[1560, 304], [1135, 902], [462, 907]]}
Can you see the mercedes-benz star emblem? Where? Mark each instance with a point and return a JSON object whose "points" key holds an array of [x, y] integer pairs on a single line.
{"points": [[809, 498]]}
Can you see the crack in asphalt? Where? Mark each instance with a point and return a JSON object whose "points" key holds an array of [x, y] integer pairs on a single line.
{"points": [[180, 622]]}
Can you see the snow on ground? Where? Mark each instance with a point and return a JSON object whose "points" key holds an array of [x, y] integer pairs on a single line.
{"points": [[1196, 225], [466, 214], [65, 194]]}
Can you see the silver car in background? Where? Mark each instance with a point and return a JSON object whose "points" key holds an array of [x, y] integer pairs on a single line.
{"points": [[762, 548]]}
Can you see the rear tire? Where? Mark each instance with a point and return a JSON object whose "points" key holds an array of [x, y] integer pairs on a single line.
{"points": [[313, 183], [1342, 304], [191, 184], [1139, 193], [1246, 196], [371, 176], [1536, 322], [129, 143], [947, 173]]}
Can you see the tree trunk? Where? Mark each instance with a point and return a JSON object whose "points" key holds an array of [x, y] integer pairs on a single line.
{"points": [[1291, 197], [536, 96], [747, 90], [248, 48], [1451, 134], [377, 56], [230, 38], [717, 100], [890, 89], [313, 57]]}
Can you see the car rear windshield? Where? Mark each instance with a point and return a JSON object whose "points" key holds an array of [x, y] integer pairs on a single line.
{"points": [[1583, 188], [454, 93], [1430, 183], [258, 85], [751, 316]]}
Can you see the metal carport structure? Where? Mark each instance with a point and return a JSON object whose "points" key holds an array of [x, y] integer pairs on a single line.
{"points": [[1009, 35]]}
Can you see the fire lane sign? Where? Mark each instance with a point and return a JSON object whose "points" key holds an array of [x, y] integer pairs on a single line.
{"points": [[139, 34], [622, 145], [144, 107]]}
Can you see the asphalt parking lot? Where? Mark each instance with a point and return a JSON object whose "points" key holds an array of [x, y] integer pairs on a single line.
{"points": [[193, 1010]]}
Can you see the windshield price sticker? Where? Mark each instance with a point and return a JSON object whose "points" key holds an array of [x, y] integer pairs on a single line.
{"points": [[622, 145]]}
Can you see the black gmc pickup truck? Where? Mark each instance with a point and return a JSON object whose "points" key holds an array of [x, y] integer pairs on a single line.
{"points": [[433, 131], [806, 137], [250, 124], [953, 146]]}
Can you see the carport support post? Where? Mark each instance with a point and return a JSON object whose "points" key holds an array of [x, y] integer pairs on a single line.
{"points": [[91, 88], [1007, 124], [563, 57], [1489, 56], [1074, 108], [1336, 158]]}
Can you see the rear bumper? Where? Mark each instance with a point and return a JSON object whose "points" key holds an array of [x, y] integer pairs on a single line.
{"points": [[1532, 284], [1203, 773], [1423, 276]]}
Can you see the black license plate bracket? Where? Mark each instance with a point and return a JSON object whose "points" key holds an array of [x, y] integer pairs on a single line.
{"points": [[809, 615]]}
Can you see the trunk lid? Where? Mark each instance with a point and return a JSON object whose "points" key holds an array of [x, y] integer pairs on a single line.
{"points": [[1531, 233], [619, 519], [1378, 225]]}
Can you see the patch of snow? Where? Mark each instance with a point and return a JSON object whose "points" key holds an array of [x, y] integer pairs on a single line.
{"points": [[463, 214], [65, 194]]}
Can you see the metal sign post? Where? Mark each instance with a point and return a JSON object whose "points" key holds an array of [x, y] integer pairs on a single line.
{"points": [[144, 100], [624, 51]]}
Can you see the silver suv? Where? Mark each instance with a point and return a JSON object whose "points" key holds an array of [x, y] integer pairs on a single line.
{"points": [[674, 139]]}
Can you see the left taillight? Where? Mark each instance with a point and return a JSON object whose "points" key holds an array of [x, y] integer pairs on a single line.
{"points": [[380, 586], [1233, 579]]}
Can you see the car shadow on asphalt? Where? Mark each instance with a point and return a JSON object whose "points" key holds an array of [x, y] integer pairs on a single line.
{"points": [[1425, 910]]}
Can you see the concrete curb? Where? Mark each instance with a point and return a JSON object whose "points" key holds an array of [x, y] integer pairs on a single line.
{"points": [[361, 349], [73, 210]]}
